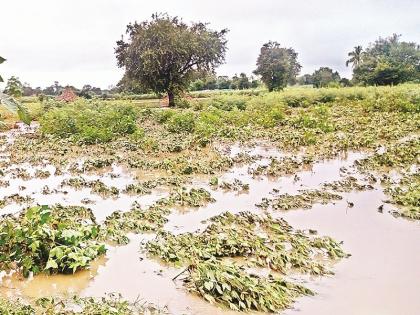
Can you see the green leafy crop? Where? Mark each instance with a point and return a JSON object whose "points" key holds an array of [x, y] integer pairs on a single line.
{"points": [[58, 239]]}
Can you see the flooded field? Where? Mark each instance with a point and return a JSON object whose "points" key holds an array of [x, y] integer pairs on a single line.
{"points": [[380, 275]]}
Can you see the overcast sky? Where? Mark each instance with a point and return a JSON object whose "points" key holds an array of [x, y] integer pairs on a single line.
{"points": [[73, 41]]}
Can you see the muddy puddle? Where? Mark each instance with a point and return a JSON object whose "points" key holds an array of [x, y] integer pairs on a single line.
{"points": [[382, 276]]}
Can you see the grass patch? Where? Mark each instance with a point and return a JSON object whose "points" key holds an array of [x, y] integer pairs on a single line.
{"points": [[89, 122]]}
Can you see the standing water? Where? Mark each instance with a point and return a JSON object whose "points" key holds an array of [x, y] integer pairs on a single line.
{"points": [[382, 275]]}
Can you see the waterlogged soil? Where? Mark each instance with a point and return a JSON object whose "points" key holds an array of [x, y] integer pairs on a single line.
{"points": [[380, 277]]}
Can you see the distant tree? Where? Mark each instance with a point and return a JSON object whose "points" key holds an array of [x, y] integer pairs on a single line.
{"points": [[89, 91], [254, 82], [277, 65], [54, 89], [165, 54], [223, 82], [345, 82], [305, 79], [388, 61], [28, 90], [355, 56], [14, 87], [58, 89], [86, 91], [325, 76], [243, 82], [37, 90], [234, 83], [197, 85], [49, 90], [210, 82]]}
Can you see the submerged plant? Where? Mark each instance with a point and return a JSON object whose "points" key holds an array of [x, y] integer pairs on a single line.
{"points": [[261, 238], [304, 200], [43, 239], [111, 304], [262, 241], [229, 285]]}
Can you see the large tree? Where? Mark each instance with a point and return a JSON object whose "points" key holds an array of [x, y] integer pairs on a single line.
{"points": [[277, 65], [324, 76], [388, 61], [165, 54]]}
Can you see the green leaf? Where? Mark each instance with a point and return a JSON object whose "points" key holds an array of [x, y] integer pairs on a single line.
{"points": [[208, 285], [51, 264], [15, 107], [23, 115], [57, 252], [9, 102]]}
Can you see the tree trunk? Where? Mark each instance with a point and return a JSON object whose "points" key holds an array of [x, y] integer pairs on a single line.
{"points": [[171, 99]]}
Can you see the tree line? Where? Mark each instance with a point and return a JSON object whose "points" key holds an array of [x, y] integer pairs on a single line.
{"points": [[165, 55]]}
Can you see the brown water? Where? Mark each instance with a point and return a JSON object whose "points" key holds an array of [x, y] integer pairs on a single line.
{"points": [[381, 277]]}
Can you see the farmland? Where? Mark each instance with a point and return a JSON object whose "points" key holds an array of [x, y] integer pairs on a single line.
{"points": [[231, 201]]}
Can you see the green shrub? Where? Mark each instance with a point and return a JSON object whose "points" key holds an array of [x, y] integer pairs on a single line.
{"points": [[182, 103], [181, 122], [89, 122], [49, 239], [229, 103]]}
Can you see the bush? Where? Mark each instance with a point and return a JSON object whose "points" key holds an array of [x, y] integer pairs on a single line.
{"points": [[181, 122], [89, 122], [49, 239], [229, 103]]}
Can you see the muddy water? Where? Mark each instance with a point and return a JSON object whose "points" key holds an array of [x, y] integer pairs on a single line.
{"points": [[381, 277]]}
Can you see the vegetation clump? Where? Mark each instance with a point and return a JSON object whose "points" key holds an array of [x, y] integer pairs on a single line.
{"points": [[96, 186], [261, 238], [137, 220], [43, 239], [399, 155], [263, 241], [195, 197], [89, 122], [406, 194], [230, 285], [303, 200], [350, 183], [108, 305]]}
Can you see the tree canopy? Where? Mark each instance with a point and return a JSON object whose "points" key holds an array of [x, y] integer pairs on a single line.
{"points": [[277, 65], [165, 54], [388, 61], [324, 76]]}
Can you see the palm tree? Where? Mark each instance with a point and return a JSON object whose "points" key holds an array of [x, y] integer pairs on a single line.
{"points": [[355, 57]]}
